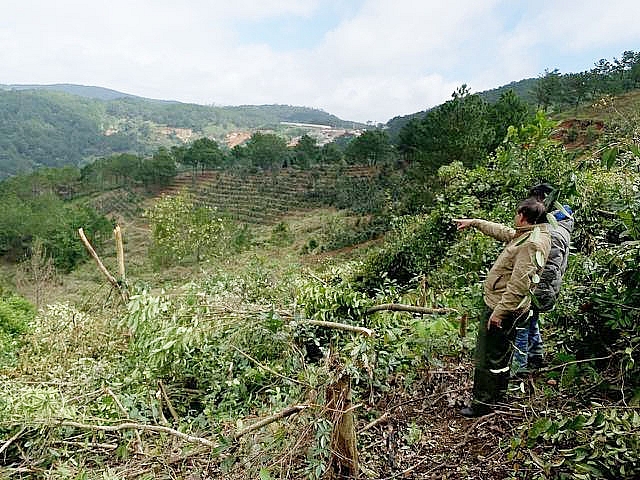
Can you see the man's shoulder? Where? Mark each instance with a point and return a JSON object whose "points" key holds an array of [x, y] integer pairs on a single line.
{"points": [[539, 237]]}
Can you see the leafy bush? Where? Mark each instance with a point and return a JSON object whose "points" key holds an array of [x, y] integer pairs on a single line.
{"points": [[604, 443], [414, 246], [16, 313], [181, 229]]}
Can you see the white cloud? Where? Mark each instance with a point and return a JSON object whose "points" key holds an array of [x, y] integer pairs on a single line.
{"points": [[387, 58]]}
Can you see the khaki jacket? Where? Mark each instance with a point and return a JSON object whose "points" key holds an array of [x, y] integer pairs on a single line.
{"points": [[508, 283]]}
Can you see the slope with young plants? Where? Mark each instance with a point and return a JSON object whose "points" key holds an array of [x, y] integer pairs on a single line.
{"points": [[267, 197]]}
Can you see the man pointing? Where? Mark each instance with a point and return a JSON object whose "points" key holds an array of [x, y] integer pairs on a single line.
{"points": [[507, 298]]}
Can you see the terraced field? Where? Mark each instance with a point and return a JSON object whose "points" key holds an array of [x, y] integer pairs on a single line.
{"points": [[120, 202], [265, 197], [259, 198]]}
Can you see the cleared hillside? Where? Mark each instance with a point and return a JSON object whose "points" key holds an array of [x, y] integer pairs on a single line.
{"points": [[263, 198]]}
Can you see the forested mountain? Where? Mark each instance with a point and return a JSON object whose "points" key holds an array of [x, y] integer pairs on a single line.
{"points": [[555, 91], [52, 126], [87, 91]]}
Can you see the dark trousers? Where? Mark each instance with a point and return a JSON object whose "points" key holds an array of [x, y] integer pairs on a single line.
{"points": [[494, 348]]}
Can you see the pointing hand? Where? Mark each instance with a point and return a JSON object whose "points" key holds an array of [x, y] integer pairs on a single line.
{"points": [[463, 222]]}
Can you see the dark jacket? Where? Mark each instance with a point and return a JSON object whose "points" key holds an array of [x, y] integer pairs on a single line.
{"points": [[547, 290]]}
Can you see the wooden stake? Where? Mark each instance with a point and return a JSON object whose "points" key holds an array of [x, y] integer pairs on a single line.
{"points": [[120, 253], [112, 280]]}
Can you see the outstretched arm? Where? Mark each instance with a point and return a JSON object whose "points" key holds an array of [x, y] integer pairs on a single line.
{"points": [[495, 230]]}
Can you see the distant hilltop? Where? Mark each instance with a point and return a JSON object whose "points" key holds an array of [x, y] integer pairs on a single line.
{"points": [[86, 91], [64, 124]]}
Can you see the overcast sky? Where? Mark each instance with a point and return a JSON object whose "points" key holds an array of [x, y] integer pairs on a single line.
{"points": [[362, 60]]}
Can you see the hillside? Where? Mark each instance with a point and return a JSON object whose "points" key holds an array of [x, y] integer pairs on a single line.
{"points": [[86, 91], [256, 323], [264, 198], [52, 126], [224, 365]]}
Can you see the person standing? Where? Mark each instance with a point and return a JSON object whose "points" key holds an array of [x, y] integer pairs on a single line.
{"points": [[529, 348], [507, 298]]}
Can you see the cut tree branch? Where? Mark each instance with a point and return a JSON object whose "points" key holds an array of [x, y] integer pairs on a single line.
{"points": [[167, 400], [140, 426], [341, 326], [117, 232], [287, 412], [270, 370], [12, 439], [399, 307]]}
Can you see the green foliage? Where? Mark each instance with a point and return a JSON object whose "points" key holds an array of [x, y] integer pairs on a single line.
{"points": [[458, 130], [344, 231], [509, 111], [47, 129], [181, 229], [235, 344], [603, 309], [281, 234], [307, 153], [373, 147], [203, 153], [50, 128], [414, 246], [331, 153], [186, 343], [332, 302], [16, 314], [130, 170], [45, 216], [263, 150], [556, 90], [604, 443]]}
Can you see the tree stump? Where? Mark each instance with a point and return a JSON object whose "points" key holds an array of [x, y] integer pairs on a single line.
{"points": [[343, 463]]}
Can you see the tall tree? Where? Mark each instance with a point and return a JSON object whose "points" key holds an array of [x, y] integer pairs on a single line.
{"points": [[266, 150], [548, 89], [306, 152], [330, 153], [509, 110], [459, 129], [372, 147], [203, 153]]}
